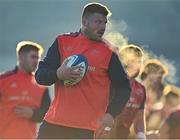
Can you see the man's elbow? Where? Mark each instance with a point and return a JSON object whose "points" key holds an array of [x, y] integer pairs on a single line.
{"points": [[40, 80], [38, 77]]}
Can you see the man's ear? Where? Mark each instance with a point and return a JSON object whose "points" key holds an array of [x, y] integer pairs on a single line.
{"points": [[21, 57], [84, 21]]}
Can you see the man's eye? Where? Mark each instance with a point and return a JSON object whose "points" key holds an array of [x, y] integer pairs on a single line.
{"points": [[34, 57], [98, 22]]}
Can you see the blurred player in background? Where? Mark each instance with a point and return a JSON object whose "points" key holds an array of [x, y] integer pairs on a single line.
{"points": [[152, 77], [132, 60], [170, 128], [23, 102], [162, 110]]}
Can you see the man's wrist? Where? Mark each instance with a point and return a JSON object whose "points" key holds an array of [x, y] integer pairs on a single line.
{"points": [[57, 75], [111, 120]]}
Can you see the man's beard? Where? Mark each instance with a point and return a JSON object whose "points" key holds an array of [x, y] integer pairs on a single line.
{"points": [[93, 36]]}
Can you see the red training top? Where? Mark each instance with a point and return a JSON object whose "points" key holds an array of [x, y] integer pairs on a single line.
{"points": [[18, 88], [81, 105], [128, 114]]}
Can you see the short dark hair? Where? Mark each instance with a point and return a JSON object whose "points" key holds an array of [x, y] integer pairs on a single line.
{"points": [[26, 46], [94, 7]]}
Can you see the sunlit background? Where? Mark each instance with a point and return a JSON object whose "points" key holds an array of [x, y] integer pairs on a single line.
{"points": [[152, 24]]}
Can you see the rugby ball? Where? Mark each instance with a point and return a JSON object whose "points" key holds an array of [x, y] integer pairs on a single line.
{"points": [[75, 60]]}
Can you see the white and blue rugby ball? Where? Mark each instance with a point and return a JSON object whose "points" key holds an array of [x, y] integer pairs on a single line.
{"points": [[75, 60]]}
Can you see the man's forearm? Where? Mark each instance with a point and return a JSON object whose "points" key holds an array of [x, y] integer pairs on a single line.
{"points": [[45, 76], [119, 88], [38, 114], [139, 125], [46, 72]]}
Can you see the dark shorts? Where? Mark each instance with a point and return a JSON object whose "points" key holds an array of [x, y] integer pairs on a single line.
{"points": [[52, 131]]}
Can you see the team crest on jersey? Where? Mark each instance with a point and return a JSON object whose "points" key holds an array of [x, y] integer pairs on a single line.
{"points": [[94, 52]]}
